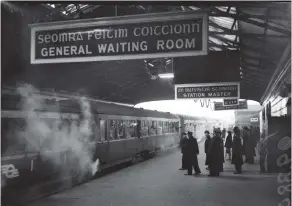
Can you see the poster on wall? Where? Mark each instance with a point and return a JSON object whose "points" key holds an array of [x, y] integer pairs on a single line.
{"points": [[226, 90], [161, 35], [219, 106]]}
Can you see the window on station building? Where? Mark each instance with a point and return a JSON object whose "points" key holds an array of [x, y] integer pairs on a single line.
{"points": [[144, 128], [153, 128]]}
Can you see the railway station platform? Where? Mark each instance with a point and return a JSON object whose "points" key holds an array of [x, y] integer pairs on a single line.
{"points": [[158, 182]]}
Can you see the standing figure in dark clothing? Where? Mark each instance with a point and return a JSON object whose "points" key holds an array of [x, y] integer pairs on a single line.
{"points": [[250, 147], [183, 145], [245, 136], [192, 150], [223, 133], [228, 145], [222, 153], [207, 144], [237, 159], [215, 154]]}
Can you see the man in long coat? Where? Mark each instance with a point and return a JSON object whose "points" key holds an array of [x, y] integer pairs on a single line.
{"points": [[192, 150], [183, 145], [215, 154], [237, 148], [207, 144]]}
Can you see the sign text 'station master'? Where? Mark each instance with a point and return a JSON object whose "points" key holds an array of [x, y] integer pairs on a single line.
{"points": [[142, 38], [209, 92]]}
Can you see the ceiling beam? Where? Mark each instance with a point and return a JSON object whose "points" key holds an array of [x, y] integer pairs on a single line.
{"points": [[263, 17], [266, 59], [227, 41], [245, 18]]}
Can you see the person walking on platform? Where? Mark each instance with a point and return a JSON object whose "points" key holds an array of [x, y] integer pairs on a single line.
{"points": [[237, 159], [215, 154], [262, 152], [192, 150], [228, 145], [207, 144], [183, 145]]}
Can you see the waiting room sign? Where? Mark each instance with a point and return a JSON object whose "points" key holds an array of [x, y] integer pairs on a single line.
{"points": [[223, 90], [171, 34]]}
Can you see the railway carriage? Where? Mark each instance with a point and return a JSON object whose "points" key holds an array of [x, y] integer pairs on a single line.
{"points": [[118, 134]]}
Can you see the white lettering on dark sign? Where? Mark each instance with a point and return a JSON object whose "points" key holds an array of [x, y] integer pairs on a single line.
{"points": [[140, 38], [9, 171], [209, 91]]}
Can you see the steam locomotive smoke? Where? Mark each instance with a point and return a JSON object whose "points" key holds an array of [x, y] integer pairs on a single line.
{"points": [[54, 136]]}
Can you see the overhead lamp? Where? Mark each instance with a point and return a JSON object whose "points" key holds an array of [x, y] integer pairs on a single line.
{"points": [[151, 64], [166, 75]]}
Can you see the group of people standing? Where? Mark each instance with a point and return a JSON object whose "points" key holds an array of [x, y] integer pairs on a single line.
{"points": [[214, 149]]}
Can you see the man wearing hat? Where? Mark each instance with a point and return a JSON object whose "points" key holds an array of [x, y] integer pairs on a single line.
{"points": [[192, 150], [183, 145], [215, 155]]}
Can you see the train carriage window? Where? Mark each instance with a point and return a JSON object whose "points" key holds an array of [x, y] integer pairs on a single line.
{"points": [[144, 128], [160, 128], [153, 128], [132, 128], [112, 130], [172, 129], [102, 130], [121, 130], [165, 128]]}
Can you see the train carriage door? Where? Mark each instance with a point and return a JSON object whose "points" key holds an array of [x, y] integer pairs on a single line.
{"points": [[102, 146]]}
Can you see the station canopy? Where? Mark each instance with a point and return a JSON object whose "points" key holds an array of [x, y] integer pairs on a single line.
{"points": [[259, 31]]}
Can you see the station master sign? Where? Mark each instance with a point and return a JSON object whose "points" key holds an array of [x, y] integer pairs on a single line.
{"points": [[171, 34], [220, 90]]}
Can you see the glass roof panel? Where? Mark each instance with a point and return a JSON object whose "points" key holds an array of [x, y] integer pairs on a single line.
{"points": [[225, 22]]}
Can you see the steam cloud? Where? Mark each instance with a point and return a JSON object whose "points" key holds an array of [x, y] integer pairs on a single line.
{"points": [[55, 136]]}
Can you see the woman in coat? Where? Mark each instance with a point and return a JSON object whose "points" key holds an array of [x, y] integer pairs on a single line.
{"points": [[237, 159]]}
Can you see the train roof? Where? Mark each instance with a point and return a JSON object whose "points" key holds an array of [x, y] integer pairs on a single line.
{"points": [[14, 102]]}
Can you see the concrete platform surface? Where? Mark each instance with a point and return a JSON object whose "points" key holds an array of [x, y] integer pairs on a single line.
{"points": [[158, 182]]}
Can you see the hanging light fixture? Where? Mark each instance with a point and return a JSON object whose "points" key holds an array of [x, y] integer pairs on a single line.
{"points": [[166, 75], [167, 71]]}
